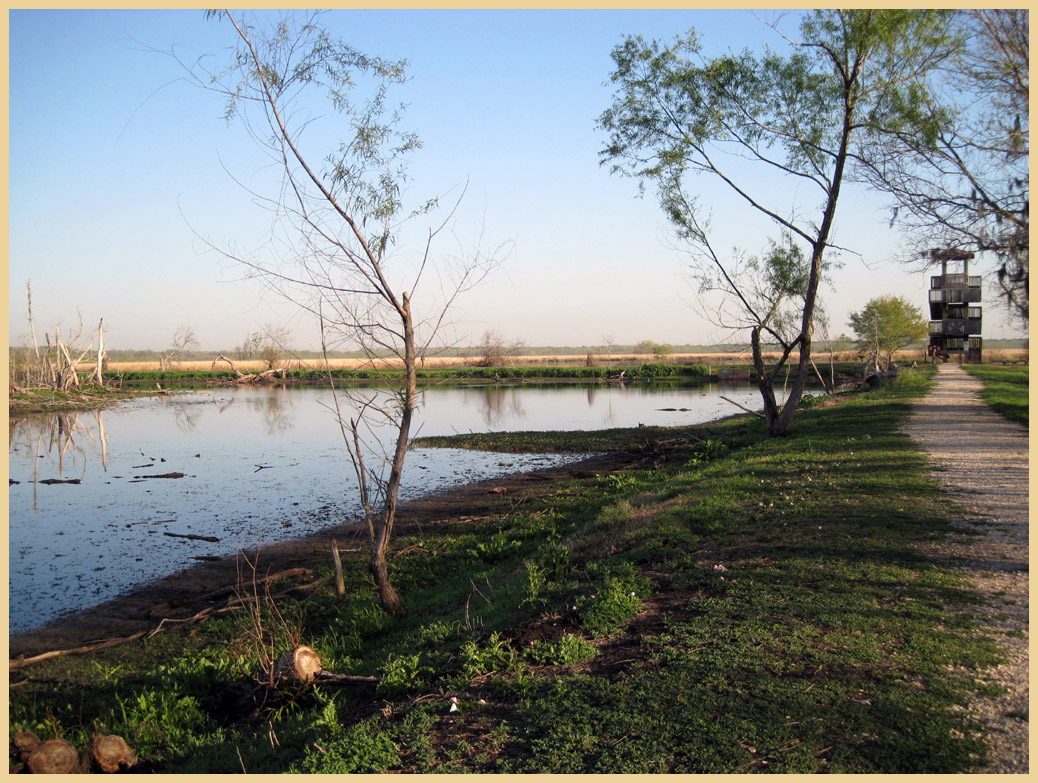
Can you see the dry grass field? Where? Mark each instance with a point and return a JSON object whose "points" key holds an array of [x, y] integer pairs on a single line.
{"points": [[626, 359]]}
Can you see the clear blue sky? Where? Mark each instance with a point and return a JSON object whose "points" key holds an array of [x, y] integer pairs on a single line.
{"points": [[115, 162]]}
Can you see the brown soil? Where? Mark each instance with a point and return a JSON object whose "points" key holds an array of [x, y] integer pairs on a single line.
{"points": [[181, 595]]}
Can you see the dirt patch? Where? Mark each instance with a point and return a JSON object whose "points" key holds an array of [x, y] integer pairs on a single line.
{"points": [[183, 594]]}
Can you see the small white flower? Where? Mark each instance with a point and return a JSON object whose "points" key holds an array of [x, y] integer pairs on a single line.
{"points": [[454, 708]]}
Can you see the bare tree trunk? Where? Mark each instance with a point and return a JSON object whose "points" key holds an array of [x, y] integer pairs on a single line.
{"points": [[388, 596], [765, 383]]}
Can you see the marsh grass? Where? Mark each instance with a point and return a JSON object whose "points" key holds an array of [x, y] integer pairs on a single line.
{"points": [[782, 619]]}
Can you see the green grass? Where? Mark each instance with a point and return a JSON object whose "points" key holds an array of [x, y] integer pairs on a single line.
{"points": [[1005, 389], [751, 604]]}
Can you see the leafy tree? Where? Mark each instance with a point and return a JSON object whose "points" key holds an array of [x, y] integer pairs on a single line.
{"points": [[957, 166], [738, 119], [887, 324], [337, 215]]}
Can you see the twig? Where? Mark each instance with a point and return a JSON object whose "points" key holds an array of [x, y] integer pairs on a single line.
{"points": [[193, 537], [737, 405]]}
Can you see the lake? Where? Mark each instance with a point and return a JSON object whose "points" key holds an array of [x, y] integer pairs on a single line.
{"points": [[265, 464]]}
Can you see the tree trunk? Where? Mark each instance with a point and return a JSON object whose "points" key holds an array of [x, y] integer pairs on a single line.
{"points": [[380, 543], [764, 382]]}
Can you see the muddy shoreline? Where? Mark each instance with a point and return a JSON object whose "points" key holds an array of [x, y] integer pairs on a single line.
{"points": [[138, 610]]}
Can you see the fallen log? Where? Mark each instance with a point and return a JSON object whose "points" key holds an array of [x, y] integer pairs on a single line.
{"points": [[234, 603], [193, 537], [59, 481], [160, 475], [328, 678], [743, 407]]}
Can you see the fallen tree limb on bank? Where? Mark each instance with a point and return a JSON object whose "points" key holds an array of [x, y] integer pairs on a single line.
{"points": [[231, 604]]}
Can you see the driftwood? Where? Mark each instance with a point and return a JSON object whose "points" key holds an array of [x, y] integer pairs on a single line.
{"points": [[241, 377], [54, 757], [162, 475], [59, 481], [737, 405], [193, 537]]}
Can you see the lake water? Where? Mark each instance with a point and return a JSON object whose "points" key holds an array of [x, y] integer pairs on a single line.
{"points": [[263, 464]]}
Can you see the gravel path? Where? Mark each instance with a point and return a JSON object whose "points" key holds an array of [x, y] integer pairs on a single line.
{"points": [[980, 459]]}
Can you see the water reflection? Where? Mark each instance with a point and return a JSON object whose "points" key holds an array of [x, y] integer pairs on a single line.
{"points": [[244, 465]]}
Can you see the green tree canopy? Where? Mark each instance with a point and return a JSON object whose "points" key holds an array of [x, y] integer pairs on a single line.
{"points": [[740, 119], [887, 324]]}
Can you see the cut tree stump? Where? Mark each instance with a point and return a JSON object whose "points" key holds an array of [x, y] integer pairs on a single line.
{"points": [[54, 757], [109, 753], [25, 742], [299, 665]]}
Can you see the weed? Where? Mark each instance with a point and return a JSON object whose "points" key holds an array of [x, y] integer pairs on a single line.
{"points": [[495, 655], [565, 650], [401, 674], [607, 610]]}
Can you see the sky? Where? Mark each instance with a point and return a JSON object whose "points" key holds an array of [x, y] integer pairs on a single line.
{"points": [[122, 175]]}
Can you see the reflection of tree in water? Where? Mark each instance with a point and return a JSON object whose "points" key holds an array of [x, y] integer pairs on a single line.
{"points": [[186, 418], [62, 440], [275, 409], [273, 406], [499, 403]]}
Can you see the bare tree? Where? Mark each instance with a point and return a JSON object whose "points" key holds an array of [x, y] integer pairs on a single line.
{"points": [[52, 366], [494, 348], [184, 339], [339, 216]]}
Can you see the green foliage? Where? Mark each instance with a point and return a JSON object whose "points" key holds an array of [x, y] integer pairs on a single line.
{"points": [[887, 324], [347, 749], [494, 655], [402, 673], [795, 627], [565, 650], [606, 610]]}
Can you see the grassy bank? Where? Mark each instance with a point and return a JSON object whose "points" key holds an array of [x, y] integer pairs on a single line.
{"points": [[430, 375], [726, 603], [1006, 389]]}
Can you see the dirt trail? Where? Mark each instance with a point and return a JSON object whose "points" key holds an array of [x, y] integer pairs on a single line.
{"points": [[981, 461]]}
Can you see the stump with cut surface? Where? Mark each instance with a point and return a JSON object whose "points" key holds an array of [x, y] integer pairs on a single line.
{"points": [[25, 742], [299, 665], [54, 757], [110, 753]]}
